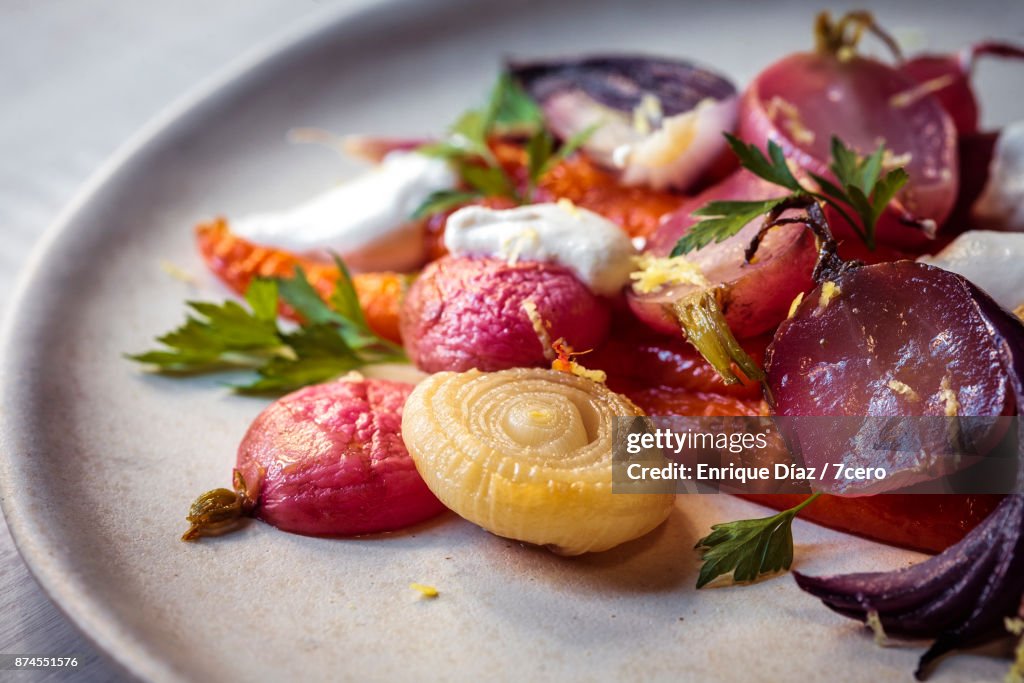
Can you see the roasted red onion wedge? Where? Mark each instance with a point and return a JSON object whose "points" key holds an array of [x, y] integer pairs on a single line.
{"points": [[805, 99], [755, 296], [948, 78], [658, 121]]}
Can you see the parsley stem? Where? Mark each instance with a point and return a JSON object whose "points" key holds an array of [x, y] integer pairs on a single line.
{"points": [[866, 237], [800, 506]]}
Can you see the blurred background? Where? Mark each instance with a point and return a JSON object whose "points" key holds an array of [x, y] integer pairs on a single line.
{"points": [[78, 78]]}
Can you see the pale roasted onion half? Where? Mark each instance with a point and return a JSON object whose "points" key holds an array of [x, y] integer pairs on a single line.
{"points": [[527, 455]]}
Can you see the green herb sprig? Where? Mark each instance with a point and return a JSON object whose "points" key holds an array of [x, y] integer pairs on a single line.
{"points": [[509, 112], [860, 189], [749, 548], [333, 339]]}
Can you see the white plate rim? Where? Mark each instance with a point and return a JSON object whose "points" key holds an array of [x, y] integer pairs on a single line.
{"points": [[86, 614]]}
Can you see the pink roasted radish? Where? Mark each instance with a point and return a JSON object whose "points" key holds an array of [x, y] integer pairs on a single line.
{"points": [[948, 78], [489, 314], [754, 297], [327, 459], [803, 100]]}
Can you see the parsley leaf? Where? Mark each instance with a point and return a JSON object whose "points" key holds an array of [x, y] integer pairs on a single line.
{"points": [[773, 169], [722, 220], [512, 110], [320, 354], [444, 200], [509, 112], [859, 188], [333, 339], [749, 548]]}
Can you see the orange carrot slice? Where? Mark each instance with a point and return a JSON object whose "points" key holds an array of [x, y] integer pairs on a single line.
{"points": [[237, 261]]}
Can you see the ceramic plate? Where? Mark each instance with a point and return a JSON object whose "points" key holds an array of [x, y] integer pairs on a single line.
{"points": [[100, 461]]}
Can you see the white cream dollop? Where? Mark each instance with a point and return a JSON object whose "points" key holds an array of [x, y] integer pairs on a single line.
{"points": [[1001, 204], [596, 250], [994, 261], [366, 220]]}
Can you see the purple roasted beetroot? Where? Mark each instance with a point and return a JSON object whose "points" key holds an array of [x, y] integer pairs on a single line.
{"points": [[962, 596], [887, 340], [329, 459], [465, 313], [851, 348]]}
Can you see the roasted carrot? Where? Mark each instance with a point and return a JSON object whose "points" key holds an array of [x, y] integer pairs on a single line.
{"points": [[237, 261]]}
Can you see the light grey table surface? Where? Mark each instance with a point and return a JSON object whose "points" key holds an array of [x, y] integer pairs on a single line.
{"points": [[77, 78]]}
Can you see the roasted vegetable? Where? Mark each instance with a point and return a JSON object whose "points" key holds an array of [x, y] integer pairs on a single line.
{"points": [[657, 121], [527, 454], [489, 314]]}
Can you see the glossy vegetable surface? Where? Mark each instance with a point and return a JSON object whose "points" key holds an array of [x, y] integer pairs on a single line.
{"points": [[329, 460], [754, 297], [527, 454], [489, 314]]}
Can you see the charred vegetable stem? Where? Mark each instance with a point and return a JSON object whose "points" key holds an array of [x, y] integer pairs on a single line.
{"points": [[218, 511], [829, 265], [701, 318]]}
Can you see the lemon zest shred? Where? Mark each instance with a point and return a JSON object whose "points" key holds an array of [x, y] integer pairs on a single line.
{"points": [[512, 246], [905, 98], [649, 109], [949, 397], [655, 272], [829, 291], [791, 121], [874, 622], [540, 328], [904, 390], [569, 207], [1019, 311], [565, 363], [424, 590], [1016, 673], [797, 300], [177, 272]]}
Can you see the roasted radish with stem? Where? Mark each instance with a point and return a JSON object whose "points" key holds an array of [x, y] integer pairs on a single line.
{"points": [[325, 460], [527, 455], [753, 297], [803, 100]]}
